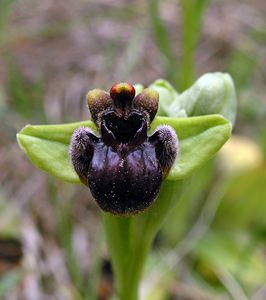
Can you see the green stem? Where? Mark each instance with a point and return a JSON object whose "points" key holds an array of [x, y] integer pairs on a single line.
{"points": [[162, 40], [118, 235], [192, 12], [136, 264], [130, 239]]}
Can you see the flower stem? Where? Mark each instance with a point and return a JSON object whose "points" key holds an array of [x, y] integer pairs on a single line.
{"points": [[130, 239]]}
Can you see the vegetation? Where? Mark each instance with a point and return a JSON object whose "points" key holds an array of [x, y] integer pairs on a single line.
{"points": [[208, 237]]}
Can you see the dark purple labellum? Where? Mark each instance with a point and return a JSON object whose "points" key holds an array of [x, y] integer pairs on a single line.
{"points": [[124, 167]]}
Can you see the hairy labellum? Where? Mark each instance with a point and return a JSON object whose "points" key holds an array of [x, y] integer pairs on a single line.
{"points": [[123, 167]]}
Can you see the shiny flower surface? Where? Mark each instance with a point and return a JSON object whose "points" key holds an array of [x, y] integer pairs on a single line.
{"points": [[123, 167]]}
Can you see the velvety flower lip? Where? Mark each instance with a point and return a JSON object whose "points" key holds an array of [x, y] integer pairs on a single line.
{"points": [[124, 167]]}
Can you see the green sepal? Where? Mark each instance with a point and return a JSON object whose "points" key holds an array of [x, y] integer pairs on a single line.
{"points": [[47, 148], [199, 138]]}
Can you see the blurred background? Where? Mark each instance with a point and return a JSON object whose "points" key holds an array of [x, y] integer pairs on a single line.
{"points": [[213, 245]]}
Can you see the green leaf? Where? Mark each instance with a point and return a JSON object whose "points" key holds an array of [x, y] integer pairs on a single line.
{"points": [[199, 137], [212, 93]]}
